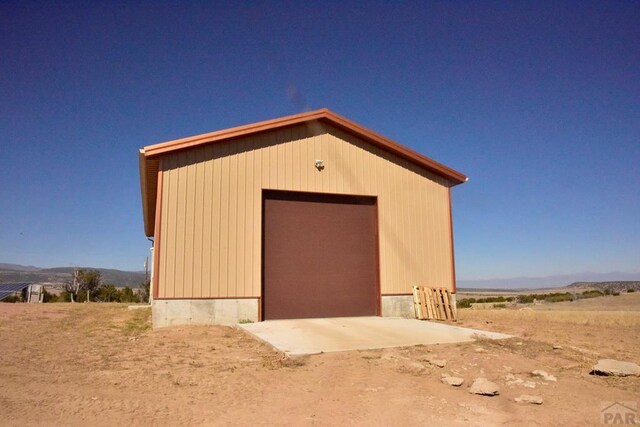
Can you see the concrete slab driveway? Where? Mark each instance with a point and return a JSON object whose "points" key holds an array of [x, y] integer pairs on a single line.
{"points": [[311, 336]]}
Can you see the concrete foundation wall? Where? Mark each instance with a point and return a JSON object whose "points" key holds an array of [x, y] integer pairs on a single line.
{"points": [[398, 306], [203, 311], [231, 311]]}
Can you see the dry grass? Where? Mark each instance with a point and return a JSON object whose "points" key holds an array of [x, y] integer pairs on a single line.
{"points": [[282, 360], [578, 317], [623, 310], [139, 323]]}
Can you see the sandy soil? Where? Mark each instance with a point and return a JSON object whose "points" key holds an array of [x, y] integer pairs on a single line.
{"points": [[99, 364]]}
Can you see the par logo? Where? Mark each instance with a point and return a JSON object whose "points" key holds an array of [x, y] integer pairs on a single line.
{"points": [[619, 413]]}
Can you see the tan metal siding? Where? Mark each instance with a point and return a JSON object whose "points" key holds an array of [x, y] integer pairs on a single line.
{"points": [[211, 216]]}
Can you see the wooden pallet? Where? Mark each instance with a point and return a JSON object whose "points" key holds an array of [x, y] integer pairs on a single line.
{"points": [[433, 303]]}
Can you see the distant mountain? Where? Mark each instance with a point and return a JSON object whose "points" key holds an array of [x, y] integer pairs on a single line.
{"points": [[59, 275], [18, 267], [546, 282], [608, 286]]}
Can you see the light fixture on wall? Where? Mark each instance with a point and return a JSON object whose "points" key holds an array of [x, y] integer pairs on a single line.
{"points": [[319, 165]]}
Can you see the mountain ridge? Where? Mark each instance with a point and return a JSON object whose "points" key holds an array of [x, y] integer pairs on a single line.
{"points": [[60, 275], [554, 281]]}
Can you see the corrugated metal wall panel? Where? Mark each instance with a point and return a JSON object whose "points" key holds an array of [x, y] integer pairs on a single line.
{"points": [[212, 209]]}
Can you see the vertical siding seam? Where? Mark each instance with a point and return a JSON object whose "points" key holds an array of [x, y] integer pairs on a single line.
{"points": [[224, 190], [194, 226], [217, 182], [175, 182], [453, 259], [232, 265], [240, 223], [157, 234], [257, 179]]}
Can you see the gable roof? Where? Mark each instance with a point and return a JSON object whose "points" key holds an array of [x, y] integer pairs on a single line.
{"points": [[149, 156]]}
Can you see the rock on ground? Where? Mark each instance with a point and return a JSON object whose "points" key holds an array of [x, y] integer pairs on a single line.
{"points": [[440, 363], [484, 387], [544, 375], [527, 398], [454, 381], [616, 368]]}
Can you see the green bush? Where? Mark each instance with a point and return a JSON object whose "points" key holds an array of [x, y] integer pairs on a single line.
{"points": [[127, 295], [591, 294], [13, 298], [108, 293], [49, 297], [558, 297], [526, 299], [464, 303], [64, 297], [499, 306]]}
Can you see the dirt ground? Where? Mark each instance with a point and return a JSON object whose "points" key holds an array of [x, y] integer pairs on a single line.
{"points": [[101, 364]]}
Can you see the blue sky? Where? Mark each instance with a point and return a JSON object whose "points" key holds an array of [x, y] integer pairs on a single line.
{"points": [[537, 102]]}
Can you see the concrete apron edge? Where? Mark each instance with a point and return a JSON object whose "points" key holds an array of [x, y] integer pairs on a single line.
{"points": [[273, 346], [472, 335]]}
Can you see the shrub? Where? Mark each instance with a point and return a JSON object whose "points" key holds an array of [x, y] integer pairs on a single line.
{"points": [[127, 295], [526, 299], [558, 297], [49, 297], [630, 290], [464, 303], [64, 297], [499, 306], [591, 294], [13, 298], [108, 293]]}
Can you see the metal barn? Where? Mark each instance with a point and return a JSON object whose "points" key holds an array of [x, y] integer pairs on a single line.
{"points": [[310, 215]]}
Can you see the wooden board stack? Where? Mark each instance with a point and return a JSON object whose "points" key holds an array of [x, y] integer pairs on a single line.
{"points": [[433, 303]]}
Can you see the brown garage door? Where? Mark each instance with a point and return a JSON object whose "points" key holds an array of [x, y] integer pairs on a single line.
{"points": [[320, 256]]}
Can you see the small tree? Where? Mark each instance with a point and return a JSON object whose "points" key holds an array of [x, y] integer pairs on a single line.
{"points": [[49, 297], [144, 291], [108, 293], [71, 287], [127, 295], [89, 283]]}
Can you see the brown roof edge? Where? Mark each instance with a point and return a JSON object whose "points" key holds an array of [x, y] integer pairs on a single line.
{"points": [[150, 153], [234, 132], [400, 150]]}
